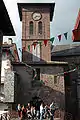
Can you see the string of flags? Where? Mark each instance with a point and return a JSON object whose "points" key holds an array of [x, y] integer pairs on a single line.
{"points": [[67, 72], [46, 41], [76, 34], [72, 70], [59, 74], [35, 73], [59, 37], [62, 74]]}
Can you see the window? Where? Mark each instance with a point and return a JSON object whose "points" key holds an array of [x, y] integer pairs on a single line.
{"points": [[38, 74], [55, 79], [36, 53], [31, 28], [40, 27]]}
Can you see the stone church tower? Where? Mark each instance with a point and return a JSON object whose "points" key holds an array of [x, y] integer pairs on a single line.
{"points": [[47, 85], [36, 19]]}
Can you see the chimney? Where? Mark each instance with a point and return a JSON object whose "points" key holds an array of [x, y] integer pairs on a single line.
{"points": [[10, 41]]}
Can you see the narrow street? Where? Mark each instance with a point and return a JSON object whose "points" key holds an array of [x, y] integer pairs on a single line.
{"points": [[36, 119], [39, 64]]}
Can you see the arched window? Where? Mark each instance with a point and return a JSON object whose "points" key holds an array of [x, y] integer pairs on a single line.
{"points": [[31, 28], [40, 27]]}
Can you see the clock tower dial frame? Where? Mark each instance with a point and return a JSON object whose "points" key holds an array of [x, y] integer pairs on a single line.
{"points": [[36, 16]]}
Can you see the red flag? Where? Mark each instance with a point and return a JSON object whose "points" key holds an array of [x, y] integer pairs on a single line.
{"points": [[7, 52], [23, 48], [76, 35], [45, 42], [59, 37], [15, 51], [34, 45]]}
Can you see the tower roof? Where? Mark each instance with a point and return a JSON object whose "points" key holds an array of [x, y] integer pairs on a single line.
{"points": [[5, 23], [49, 5], [77, 20]]}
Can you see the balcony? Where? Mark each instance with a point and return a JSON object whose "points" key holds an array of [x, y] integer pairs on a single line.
{"points": [[76, 35]]}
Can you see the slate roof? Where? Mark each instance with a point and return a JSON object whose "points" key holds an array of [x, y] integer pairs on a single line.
{"points": [[66, 50]]}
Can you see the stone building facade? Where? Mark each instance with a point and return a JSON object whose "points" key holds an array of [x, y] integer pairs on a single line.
{"points": [[49, 81], [50, 87], [70, 54], [6, 29], [7, 73]]}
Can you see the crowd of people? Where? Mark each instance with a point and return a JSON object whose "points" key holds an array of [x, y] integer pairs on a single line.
{"points": [[40, 113]]}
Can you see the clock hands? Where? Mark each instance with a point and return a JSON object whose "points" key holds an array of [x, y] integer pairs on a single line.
{"points": [[37, 17]]}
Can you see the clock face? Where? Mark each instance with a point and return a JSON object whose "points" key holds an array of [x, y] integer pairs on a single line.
{"points": [[36, 16]]}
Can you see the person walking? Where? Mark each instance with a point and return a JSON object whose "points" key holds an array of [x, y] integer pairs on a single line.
{"points": [[46, 114], [52, 110], [29, 111], [19, 111], [23, 113], [41, 111]]}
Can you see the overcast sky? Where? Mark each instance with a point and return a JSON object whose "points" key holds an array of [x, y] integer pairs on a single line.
{"points": [[65, 14]]}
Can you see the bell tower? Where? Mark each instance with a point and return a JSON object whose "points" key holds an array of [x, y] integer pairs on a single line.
{"points": [[36, 19]]}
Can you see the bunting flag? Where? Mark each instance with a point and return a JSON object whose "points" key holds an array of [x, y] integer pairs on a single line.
{"points": [[76, 35], [23, 48], [34, 45], [7, 52], [52, 40], [59, 37], [75, 32], [40, 44], [29, 47], [65, 34], [45, 42], [15, 51]]}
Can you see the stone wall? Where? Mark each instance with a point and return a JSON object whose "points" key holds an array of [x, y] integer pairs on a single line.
{"points": [[9, 86], [53, 88], [73, 89], [48, 90], [50, 76]]}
